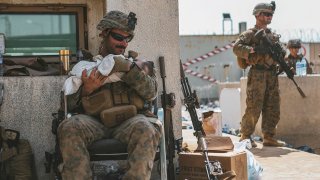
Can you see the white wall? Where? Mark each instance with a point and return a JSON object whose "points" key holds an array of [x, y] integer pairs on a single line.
{"points": [[230, 107]]}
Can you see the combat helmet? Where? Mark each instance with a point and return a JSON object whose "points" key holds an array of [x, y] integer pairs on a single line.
{"points": [[118, 20], [294, 43], [264, 7]]}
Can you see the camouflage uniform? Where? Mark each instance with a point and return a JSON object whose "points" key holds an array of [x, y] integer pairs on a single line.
{"points": [[262, 85], [291, 61], [140, 133]]}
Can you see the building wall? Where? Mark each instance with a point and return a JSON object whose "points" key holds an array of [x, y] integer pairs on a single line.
{"points": [[194, 46], [314, 52], [30, 101]]}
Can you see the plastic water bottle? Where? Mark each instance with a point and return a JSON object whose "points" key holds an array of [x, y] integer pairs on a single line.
{"points": [[303, 67], [298, 68]]}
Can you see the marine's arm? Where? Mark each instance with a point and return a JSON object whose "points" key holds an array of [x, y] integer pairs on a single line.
{"points": [[90, 84], [241, 47], [145, 85]]}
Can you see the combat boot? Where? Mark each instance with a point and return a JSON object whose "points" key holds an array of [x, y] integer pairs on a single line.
{"points": [[270, 141], [243, 137]]}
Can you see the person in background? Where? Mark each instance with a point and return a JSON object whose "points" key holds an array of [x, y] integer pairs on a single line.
{"points": [[294, 45], [262, 85]]}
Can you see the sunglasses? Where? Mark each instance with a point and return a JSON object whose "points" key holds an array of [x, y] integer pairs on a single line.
{"points": [[267, 14], [120, 38]]}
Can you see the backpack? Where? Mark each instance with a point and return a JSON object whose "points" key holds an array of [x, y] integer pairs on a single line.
{"points": [[16, 157]]}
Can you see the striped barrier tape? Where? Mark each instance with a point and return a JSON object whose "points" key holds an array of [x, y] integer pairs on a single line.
{"points": [[199, 75], [209, 54]]}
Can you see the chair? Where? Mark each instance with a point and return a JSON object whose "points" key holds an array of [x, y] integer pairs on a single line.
{"points": [[100, 151]]}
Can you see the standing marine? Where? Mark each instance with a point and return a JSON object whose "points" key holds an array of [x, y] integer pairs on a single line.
{"points": [[262, 85]]}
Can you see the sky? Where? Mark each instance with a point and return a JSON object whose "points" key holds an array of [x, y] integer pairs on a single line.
{"points": [[292, 18]]}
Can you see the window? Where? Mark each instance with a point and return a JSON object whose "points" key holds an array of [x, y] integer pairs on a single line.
{"points": [[42, 30]]}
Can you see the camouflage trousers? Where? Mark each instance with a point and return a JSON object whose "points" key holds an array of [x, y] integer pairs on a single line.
{"points": [[262, 97], [141, 134]]}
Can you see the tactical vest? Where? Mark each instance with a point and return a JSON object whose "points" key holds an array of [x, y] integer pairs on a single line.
{"points": [[113, 103], [244, 63]]}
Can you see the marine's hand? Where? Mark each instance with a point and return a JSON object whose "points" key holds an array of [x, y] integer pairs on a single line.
{"points": [[140, 63], [146, 66], [93, 82]]}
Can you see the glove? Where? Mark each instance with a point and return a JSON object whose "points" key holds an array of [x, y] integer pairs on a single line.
{"points": [[261, 50]]}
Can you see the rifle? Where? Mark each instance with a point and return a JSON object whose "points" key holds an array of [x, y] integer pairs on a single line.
{"points": [[191, 102], [276, 53], [168, 102]]}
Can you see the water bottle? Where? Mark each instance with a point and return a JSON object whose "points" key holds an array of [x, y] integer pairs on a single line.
{"points": [[298, 68], [303, 67]]}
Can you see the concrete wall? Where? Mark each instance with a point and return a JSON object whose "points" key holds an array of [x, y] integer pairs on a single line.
{"points": [[314, 56], [29, 101], [193, 46], [299, 117]]}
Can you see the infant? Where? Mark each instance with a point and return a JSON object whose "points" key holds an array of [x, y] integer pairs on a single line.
{"points": [[103, 65]]}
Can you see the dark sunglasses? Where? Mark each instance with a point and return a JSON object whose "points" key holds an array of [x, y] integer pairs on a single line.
{"points": [[120, 38], [267, 14]]}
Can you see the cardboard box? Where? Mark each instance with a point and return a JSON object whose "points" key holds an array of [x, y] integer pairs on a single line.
{"points": [[192, 166]]}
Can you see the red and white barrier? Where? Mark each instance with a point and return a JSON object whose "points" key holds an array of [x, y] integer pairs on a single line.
{"points": [[209, 54], [201, 76]]}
